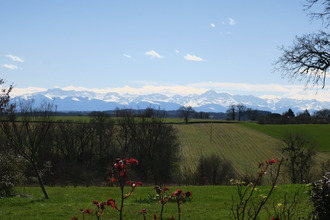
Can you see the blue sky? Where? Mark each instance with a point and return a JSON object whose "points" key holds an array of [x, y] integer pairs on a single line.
{"points": [[173, 46]]}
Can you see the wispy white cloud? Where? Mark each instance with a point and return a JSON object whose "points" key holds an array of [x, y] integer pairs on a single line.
{"points": [[264, 90], [15, 58], [10, 66], [153, 53], [25, 91], [146, 89], [213, 25], [193, 58], [232, 21], [127, 56], [177, 51]]}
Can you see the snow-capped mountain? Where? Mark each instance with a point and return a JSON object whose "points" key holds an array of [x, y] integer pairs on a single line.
{"points": [[210, 101]]}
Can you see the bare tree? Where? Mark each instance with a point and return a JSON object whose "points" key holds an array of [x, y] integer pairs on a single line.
{"points": [[186, 112], [28, 136], [299, 153], [308, 59], [231, 112], [322, 15], [240, 110]]}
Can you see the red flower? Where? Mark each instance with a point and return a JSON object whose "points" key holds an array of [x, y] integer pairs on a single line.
{"points": [[158, 189], [271, 161], [86, 211], [172, 217], [134, 184], [112, 203], [188, 194], [155, 216], [74, 218], [131, 160], [143, 211], [275, 218], [95, 202], [166, 188], [119, 164], [102, 205], [178, 192]]}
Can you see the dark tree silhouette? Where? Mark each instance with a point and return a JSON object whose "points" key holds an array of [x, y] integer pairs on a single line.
{"points": [[186, 112], [299, 153], [240, 110], [231, 112]]}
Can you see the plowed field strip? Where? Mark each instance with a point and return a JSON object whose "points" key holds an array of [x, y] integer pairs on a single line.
{"points": [[244, 147]]}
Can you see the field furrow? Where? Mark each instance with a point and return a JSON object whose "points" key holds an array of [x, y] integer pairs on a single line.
{"points": [[244, 147]]}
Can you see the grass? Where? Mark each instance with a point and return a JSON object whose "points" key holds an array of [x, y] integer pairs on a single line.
{"points": [[316, 132], [208, 202]]}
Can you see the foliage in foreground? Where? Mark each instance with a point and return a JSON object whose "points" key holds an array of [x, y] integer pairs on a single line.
{"points": [[320, 197]]}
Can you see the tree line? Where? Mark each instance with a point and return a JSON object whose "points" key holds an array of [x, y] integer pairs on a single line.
{"points": [[81, 153], [289, 117]]}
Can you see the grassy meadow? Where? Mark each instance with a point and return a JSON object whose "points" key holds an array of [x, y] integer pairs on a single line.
{"points": [[318, 133], [208, 202]]}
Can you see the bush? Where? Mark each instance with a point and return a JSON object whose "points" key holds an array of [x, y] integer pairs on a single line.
{"points": [[11, 172], [213, 170], [320, 197]]}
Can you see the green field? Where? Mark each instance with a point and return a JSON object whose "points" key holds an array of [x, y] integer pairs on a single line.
{"points": [[319, 133], [208, 202], [243, 146]]}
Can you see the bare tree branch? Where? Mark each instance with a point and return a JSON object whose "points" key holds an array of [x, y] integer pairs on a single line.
{"points": [[321, 15], [308, 59]]}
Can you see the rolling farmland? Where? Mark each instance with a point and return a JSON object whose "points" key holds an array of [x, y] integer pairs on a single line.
{"points": [[244, 147]]}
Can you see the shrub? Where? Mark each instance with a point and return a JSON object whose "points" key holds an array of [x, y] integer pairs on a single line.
{"points": [[11, 172], [213, 170], [320, 197]]}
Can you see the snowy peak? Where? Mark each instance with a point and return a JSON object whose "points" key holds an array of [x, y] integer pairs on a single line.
{"points": [[210, 101]]}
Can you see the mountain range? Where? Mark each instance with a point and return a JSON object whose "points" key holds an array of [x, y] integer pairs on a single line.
{"points": [[210, 101]]}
